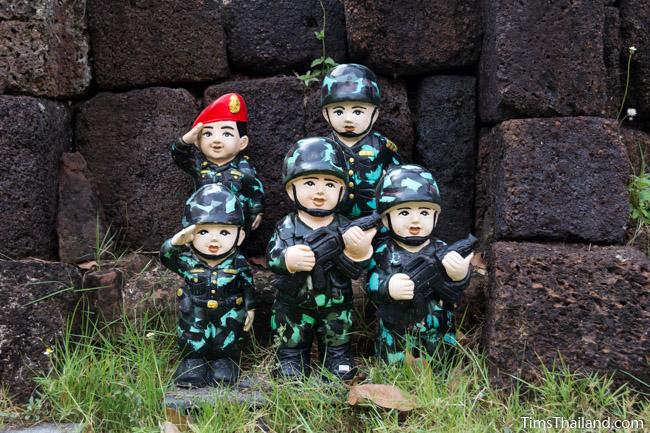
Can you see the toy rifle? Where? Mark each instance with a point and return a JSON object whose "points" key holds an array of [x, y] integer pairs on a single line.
{"points": [[327, 244], [427, 274]]}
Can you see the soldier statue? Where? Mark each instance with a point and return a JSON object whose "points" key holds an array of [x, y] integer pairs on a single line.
{"points": [[350, 97], [211, 152], [414, 278], [217, 301], [317, 256]]}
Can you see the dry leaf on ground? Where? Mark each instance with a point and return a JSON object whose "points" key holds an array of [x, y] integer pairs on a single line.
{"points": [[387, 396], [168, 427]]}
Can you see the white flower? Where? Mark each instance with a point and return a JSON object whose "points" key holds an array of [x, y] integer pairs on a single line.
{"points": [[48, 351], [150, 335], [632, 49], [631, 112]]}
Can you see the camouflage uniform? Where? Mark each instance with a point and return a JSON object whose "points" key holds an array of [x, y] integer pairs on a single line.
{"points": [[400, 328], [213, 303], [239, 176], [298, 314], [366, 161], [302, 310], [371, 156], [203, 331]]}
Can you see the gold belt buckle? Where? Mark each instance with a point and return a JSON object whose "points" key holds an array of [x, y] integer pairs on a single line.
{"points": [[212, 304], [239, 301]]}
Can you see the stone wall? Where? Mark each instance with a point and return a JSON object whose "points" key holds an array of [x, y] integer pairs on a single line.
{"points": [[541, 85]]}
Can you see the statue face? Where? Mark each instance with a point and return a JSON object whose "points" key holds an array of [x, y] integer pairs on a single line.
{"points": [[317, 191], [413, 218], [220, 141], [214, 239], [350, 118]]}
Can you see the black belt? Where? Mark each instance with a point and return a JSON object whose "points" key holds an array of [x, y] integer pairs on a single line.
{"points": [[213, 304]]}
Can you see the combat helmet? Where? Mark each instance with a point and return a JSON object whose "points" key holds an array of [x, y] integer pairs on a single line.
{"points": [[213, 204], [350, 82], [316, 155], [403, 184]]}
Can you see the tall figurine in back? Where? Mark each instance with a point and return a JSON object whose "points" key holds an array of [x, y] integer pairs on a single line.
{"points": [[414, 279], [350, 98], [317, 251], [211, 152], [218, 299]]}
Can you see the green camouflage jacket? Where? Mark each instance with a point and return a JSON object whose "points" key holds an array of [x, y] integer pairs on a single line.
{"points": [[289, 232], [230, 278], [388, 260], [238, 175], [367, 161]]}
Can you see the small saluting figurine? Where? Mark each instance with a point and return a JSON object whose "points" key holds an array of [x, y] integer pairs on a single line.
{"points": [[211, 152], [414, 279], [350, 98], [218, 299]]}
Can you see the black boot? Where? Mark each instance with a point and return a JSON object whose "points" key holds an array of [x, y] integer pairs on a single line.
{"points": [[294, 363], [224, 371], [340, 362], [192, 372]]}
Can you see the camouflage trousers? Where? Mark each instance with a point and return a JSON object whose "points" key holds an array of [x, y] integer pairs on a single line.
{"points": [[210, 334], [295, 327], [423, 339]]}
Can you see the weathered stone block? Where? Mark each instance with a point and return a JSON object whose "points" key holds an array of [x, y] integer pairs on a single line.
{"points": [[542, 59], [33, 135], [413, 37], [612, 46], [560, 178], [589, 305], [276, 121], [44, 48], [635, 21], [395, 119], [125, 139], [38, 298], [144, 42], [80, 221], [482, 176], [271, 37], [446, 139]]}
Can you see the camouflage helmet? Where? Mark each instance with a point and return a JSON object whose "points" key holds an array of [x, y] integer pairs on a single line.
{"points": [[213, 204], [316, 155], [406, 183], [350, 82]]}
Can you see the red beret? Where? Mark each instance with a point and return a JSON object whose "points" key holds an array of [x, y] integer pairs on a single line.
{"points": [[230, 106]]}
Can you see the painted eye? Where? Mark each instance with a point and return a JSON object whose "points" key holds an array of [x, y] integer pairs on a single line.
{"points": [[358, 112], [224, 233], [404, 213], [424, 213], [330, 184], [310, 183], [338, 112], [207, 134], [228, 134], [203, 232]]}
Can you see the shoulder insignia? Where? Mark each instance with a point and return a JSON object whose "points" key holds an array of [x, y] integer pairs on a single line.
{"points": [[196, 270], [235, 173], [392, 146], [205, 172], [366, 153], [231, 271]]}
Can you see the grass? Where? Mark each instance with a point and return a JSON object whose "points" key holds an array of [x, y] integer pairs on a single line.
{"points": [[113, 379]]}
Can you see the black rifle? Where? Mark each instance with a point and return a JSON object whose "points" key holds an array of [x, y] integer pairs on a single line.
{"points": [[326, 244], [427, 274]]}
